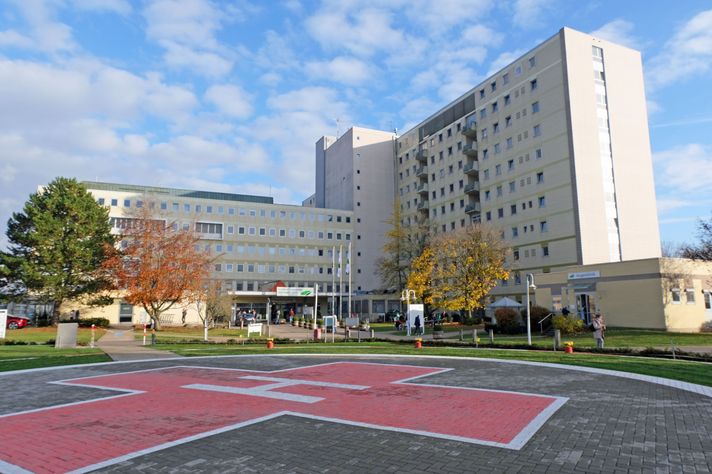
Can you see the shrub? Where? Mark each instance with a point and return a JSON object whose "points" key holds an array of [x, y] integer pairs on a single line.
{"points": [[570, 324], [506, 317], [87, 322]]}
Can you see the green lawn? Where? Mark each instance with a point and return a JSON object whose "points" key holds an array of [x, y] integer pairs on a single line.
{"points": [[42, 335], [615, 337], [694, 372], [31, 357], [182, 333]]}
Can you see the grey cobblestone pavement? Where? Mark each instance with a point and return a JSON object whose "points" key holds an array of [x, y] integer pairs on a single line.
{"points": [[609, 424]]}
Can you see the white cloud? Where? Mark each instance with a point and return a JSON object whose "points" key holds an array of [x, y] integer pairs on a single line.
{"points": [[346, 70], [122, 7], [528, 13], [45, 33], [666, 205], [230, 100], [187, 30], [687, 53], [618, 31], [687, 168]]}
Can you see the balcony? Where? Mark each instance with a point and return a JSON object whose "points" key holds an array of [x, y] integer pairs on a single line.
{"points": [[474, 207], [470, 130], [422, 155], [423, 189], [472, 188], [470, 149], [471, 168], [422, 172], [423, 206]]}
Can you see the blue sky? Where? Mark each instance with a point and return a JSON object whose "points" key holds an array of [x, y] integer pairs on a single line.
{"points": [[231, 96]]}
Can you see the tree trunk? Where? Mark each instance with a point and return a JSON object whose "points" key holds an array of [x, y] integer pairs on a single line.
{"points": [[205, 329], [55, 312]]}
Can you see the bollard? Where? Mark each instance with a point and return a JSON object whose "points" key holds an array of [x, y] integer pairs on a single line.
{"points": [[347, 333], [462, 334], [557, 339], [418, 343], [475, 339], [270, 343], [144, 333], [491, 336], [373, 334]]}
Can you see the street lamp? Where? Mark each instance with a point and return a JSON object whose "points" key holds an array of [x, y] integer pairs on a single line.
{"points": [[530, 286]]}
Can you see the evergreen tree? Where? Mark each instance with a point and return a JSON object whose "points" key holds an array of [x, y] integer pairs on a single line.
{"points": [[57, 245]]}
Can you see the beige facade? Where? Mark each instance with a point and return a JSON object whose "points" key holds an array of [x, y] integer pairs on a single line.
{"points": [[256, 243], [357, 170], [654, 293], [553, 150]]}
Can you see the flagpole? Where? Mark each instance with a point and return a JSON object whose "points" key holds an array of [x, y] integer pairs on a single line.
{"points": [[333, 281], [341, 284], [348, 270]]}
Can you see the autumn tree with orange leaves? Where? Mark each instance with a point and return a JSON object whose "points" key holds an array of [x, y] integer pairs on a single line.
{"points": [[157, 265], [458, 269]]}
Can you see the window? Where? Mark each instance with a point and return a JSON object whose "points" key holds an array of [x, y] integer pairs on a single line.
{"points": [[495, 127], [209, 209], [505, 78], [510, 144], [499, 191], [497, 149], [510, 165], [482, 93], [440, 138], [537, 153], [515, 254], [533, 84], [483, 113], [676, 295], [485, 154], [507, 100], [493, 86], [127, 203], [540, 177], [198, 208], [512, 186], [690, 295], [114, 202], [208, 228], [536, 131], [508, 121], [449, 150], [535, 107], [542, 201], [497, 168], [500, 212], [485, 175], [494, 107], [513, 209], [488, 216], [449, 132], [515, 232], [545, 250], [532, 61], [487, 195], [543, 226], [230, 229]]}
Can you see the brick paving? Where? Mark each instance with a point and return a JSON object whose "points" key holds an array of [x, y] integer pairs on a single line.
{"points": [[608, 424]]}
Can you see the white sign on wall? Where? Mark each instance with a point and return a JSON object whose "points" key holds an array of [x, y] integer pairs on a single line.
{"points": [[3, 323], [582, 275], [415, 311], [282, 291]]}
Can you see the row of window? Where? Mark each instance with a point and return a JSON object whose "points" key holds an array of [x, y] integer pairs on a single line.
{"points": [[231, 211], [505, 77], [284, 268], [239, 285], [262, 251], [543, 225]]}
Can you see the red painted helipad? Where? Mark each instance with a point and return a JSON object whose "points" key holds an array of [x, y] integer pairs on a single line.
{"points": [[164, 407]]}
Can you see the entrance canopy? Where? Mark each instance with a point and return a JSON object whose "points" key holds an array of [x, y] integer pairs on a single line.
{"points": [[505, 303]]}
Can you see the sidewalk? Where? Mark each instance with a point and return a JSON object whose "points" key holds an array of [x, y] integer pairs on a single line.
{"points": [[119, 344]]}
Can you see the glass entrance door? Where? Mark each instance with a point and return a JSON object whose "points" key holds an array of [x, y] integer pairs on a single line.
{"points": [[125, 313]]}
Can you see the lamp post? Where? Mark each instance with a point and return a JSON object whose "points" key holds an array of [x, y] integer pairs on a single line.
{"points": [[530, 286]]}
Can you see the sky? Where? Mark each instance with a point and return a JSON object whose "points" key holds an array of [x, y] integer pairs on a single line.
{"points": [[231, 96]]}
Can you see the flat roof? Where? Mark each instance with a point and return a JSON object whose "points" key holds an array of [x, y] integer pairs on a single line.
{"points": [[133, 188]]}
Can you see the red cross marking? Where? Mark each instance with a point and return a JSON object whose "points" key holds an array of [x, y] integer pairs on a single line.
{"points": [[165, 407]]}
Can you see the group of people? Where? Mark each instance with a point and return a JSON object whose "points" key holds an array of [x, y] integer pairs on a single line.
{"points": [[401, 323]]}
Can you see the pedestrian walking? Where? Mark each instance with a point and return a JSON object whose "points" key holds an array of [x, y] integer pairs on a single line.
{"points": [[417, 325], [599, 328]]}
